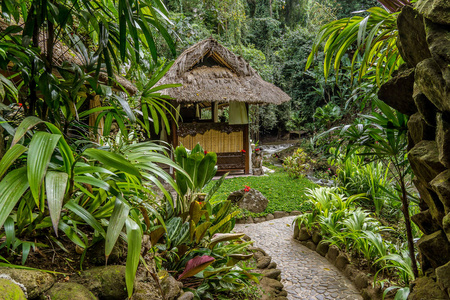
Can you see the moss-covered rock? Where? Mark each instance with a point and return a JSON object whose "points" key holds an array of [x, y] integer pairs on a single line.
{"points": [[398, 92], [424, 159], [68, 291], [436, 10], [429, 79], [409, 19], [104, 282], [10, 290], [436, 248], [426, 288], [441, 185], [35, 282]]}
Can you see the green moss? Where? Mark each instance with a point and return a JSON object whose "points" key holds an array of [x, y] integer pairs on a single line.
{"points": [[10, 291]]}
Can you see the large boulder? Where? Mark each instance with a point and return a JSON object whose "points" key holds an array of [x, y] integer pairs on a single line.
{"points": [[436, 248], [436, 10], [10, 291], [35, 282], [252, 200], [419, 130], [441, 185], [68, 291], [410, 20], [107, 282], [397, 92], [424, 159], [171, 287], [426, 288], [424, 220], [446, 226], [429, 79], [443, 139], [443, 276], [432, 201], [438, 39], [425, 107]]}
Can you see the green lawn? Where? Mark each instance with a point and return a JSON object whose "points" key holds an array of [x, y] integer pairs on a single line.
{"points": [[283, 192]]}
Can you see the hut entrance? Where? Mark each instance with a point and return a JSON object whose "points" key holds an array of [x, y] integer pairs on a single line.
{"points": [[219, 128]]}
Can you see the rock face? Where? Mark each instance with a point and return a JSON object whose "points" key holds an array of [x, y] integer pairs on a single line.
{"points": [[68, 291], [104, 282], [409, 19], [424, 43], [398, 92], [436, 10], [35, 282], [253, 200]]}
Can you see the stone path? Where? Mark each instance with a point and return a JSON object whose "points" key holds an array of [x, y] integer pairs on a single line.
{"points": [[305, 274]]}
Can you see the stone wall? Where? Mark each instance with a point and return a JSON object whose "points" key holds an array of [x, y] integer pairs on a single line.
{"points": [[421, 89]]}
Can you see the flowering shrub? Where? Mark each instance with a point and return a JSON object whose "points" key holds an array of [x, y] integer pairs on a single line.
{"points": [[298, 164]]}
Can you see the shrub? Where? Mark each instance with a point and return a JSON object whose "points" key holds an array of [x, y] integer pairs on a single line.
{"points": [[298, 164]]}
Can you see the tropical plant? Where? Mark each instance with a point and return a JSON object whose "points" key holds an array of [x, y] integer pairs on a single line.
{"points": [[52, 186], [201, 168], [370, 40], [298, 164], [104, 39], [386, 141], [327, 114]]}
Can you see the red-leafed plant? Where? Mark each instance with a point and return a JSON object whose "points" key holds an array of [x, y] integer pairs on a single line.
{"points": [[196, 265]]}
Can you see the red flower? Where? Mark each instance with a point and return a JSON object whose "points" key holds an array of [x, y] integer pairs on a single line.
{"points": [[206, 152], [257, 149], [243, 151], [20, 104], [247, 188]]}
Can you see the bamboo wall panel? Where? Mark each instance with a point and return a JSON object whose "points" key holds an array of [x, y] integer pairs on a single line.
{"points": [[215, 141]]}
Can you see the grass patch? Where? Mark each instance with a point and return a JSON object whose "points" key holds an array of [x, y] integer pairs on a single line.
{"points": [[283, 192]]}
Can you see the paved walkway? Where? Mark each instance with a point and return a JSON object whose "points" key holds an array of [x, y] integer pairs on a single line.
{"points": [[305, 274]]}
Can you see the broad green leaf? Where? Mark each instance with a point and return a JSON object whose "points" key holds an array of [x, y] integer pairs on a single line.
{"points": [[27, 124], [10, 157], [71, 234], [200, 231], [64, 148], [113, 160], [41, 149], [55, 187], [116, 223], [134, 238], [12, 187], [85, 216]]}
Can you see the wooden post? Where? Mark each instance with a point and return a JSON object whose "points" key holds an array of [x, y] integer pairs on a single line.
{"points": [[247, 150]]}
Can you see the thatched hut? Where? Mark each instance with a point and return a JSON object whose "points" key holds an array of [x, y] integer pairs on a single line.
{"points": [[217, 88]]}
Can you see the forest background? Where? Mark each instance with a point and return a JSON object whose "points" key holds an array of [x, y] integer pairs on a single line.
{"points": [[275, 37]]}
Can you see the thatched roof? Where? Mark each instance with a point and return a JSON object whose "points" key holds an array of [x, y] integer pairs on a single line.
{"points": [[212, 73], [62, 53]]}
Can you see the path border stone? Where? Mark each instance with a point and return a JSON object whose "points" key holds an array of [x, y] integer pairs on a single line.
{"points": [[340, 259]]}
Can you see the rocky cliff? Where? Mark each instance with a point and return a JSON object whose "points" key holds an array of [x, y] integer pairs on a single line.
{"points": [[421, 89]]}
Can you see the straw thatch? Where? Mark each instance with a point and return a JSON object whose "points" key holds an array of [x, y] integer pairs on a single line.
{"points": [[62, 53], [212, 73]]}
